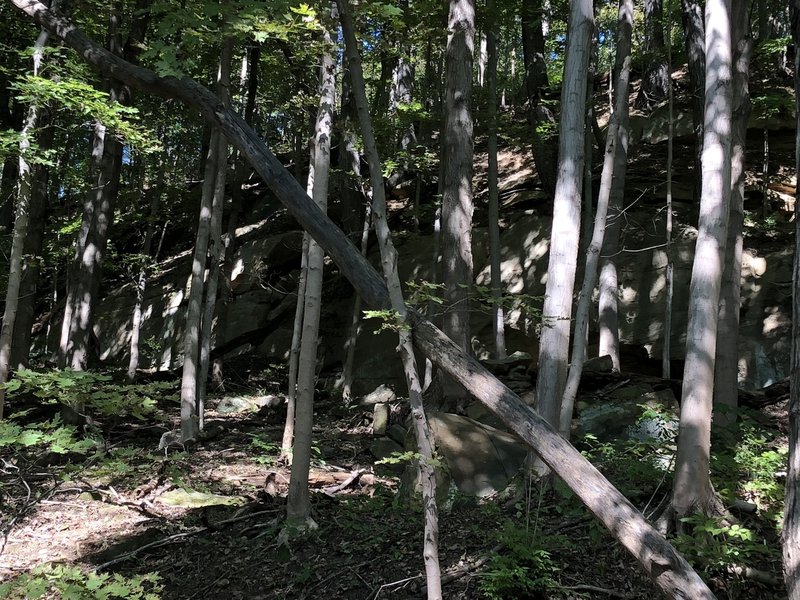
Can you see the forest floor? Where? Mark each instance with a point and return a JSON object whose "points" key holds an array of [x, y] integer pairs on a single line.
{"points": [[209, 521]]}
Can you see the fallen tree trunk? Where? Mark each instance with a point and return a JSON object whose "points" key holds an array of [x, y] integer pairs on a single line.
{"points": [[665, 566]]}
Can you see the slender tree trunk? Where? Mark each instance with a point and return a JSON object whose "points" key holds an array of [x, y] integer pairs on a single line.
{"points": [[389, 264], [608, 304], [216, 243], [624, 26], [791, 522], [294, 354], [557, 309], [355, 320], [141, 282], [21, 222], [694, 34], [190, 422], [765, 208], [457, 204], [298, 506], [498, 319], [666, 347], [692, 489], [655, 80], [664, 565], [726, 369], [540, 117]]}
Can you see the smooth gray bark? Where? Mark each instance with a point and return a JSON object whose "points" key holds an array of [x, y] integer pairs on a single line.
{"points": [[495, 258], [557, 309], [692, 488], [298, 504], [726, 368], [625, 22], [663, 564]]}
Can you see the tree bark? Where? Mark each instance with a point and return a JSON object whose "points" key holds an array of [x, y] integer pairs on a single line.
{"points": [[298, 505], [726, 369], [389, 264], [498, 318], [557, 309], [655, 79], [190, 421], [791, 521], [540, 117], [457, 203], [692, 489], [624, 26], [666, 567], [21, 222], [608, 304], [694, 35]]}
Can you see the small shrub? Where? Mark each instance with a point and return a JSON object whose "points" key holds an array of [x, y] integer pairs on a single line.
{"points": [[67, 581], [523, 569]]}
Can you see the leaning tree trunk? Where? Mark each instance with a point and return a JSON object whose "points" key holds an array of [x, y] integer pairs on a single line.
{"points": [[21, 222], [298, 504], [557, 309], [791, 522], [457, 203], [692, 488], [664, 565], [726, 368], [389, 263], [624, 26]]}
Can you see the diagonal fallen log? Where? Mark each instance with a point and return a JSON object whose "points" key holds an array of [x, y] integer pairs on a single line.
{"points": [[665, 566]]}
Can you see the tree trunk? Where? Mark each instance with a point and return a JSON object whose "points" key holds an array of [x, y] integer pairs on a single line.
{"points": [[21, 221], [216, 243], [694, 34], [669, 276], [624, 26], [557, 309], [498, 319], [298, 505], [608, 306], [668, 569], [147, 261], [726, 370], [389, 263], [655, 80], [693, 491], [791, 521], [457, 204], [190, 422], [540, 118]]}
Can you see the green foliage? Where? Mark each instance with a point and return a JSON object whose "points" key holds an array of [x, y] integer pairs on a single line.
{"points": [[421, 293], [522, 569], [745, 467], [771, 47], [530, 304], [51, 436], [715, 545], [396, 458], [86, 391], [265, 448], [70, 582], [83, 99], [390, 320]]}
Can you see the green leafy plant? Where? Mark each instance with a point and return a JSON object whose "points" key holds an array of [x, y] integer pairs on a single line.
{"points": [[715, 545], [93, 392], [70, 582], [52, 436], [523, 568], [390, 320]]}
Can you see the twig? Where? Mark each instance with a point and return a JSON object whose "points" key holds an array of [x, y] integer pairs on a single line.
{"points": [[172, 538], [594, 588], [393, 584], [354, 476], [465, 569]]}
